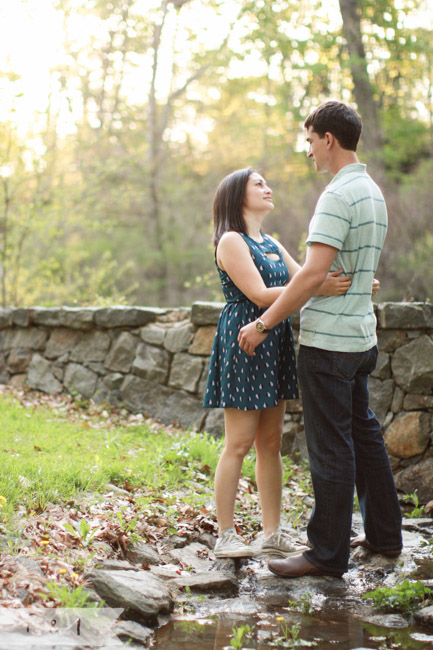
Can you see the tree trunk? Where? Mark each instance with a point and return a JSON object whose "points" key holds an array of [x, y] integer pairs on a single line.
{"points": [[372, 135]]}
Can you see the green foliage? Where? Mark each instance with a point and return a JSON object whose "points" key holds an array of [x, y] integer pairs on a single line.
{"points": [[405, 597], [58, 461], [289, 637], [241, 635], [418, 509], [304, 604], [406, 142], [120, 209], [82, 531], [67, 596]]}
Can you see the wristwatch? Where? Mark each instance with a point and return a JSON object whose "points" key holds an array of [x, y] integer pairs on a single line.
{"points": [[260, 326]]}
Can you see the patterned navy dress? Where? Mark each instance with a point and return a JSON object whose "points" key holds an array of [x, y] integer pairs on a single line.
{"points": [[235, 379]]}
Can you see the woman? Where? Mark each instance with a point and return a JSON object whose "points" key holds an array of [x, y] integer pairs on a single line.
{"points": [[253, 269]]}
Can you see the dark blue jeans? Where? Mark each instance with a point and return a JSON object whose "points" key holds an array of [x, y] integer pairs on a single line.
{"points": [[346, 448]]}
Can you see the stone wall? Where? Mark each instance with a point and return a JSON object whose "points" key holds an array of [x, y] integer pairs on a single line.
{"points": [[155, 362]]}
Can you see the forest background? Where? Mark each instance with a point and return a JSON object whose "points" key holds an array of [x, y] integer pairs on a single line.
{"points": [[112, 146]]}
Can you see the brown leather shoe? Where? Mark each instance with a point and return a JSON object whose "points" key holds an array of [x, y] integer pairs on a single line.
{"points": [[362, 541], [297, 566]]}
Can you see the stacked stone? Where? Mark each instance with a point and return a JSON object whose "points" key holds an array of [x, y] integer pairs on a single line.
{"points": [[155, 362], [402, 393]]}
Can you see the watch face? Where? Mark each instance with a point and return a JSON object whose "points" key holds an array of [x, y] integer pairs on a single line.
{"points": [[260, 326]]}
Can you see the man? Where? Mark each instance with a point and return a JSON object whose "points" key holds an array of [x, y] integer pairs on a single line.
{"points": [[338, 352]]}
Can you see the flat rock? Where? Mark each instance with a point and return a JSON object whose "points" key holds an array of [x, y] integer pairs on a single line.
{"points": [[141, 594], [126, 630], [141, 553], [425, 616], [209, 582], [387, 620], [194, 555]]}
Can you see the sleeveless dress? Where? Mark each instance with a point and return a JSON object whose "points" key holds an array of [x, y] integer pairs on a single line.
{"points": [[237, 380]]}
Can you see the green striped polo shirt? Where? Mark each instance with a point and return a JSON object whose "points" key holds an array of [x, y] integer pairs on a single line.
{"points": [[351, 216]]}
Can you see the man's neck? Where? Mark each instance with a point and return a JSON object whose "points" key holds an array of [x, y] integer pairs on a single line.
{"points": [[343, 159]]}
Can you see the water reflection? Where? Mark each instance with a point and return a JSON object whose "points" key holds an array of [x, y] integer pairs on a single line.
{"points": [[340, 630]]}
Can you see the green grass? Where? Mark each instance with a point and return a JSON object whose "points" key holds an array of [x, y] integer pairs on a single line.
{"points": [[47, 458]]}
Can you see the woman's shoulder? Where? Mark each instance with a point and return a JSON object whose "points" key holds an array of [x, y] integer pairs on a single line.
{"points": [[232, 238]]}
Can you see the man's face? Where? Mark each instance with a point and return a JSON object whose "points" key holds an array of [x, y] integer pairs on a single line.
{"points": [[317, 150]]}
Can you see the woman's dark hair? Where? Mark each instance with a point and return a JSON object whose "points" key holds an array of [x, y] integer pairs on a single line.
{"points": [[335, 117], [228, 204]]}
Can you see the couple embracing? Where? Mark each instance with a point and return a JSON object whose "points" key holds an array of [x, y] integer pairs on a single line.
{"points": [[253, 367]]}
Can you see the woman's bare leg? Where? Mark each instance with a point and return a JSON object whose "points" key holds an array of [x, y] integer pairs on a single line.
{"points": [[269, 469], [240, 431]]}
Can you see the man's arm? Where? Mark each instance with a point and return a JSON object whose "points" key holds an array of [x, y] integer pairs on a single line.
{"points": [[300, 289]]}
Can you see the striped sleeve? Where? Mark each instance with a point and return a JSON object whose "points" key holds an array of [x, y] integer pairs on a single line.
{"points": [[331, 221]]}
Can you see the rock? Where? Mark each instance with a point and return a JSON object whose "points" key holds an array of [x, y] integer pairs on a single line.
{"points": [[120, 316], [16, 381], [203, 379], [30, 566], [31, 338], [290, 430], [48, 316], [417, 477], [397, 400], [203, 340], [41, 377], [412, 365], [21, 317], [206, 313], [153, 334], [117, 565], [383, 367], [381, 393], [80, 318], [214, 423], [185, 372], [178, 337], [131, 631], [390, 340], [407, 315], [151, 363], [122, 352], [5, 317], [424, 616], [409, 434], [209, 582], [386, 620], [415, 402], [18, 360], [93, 346], [194, 555], [142, 595], [161, 403], [61, 341], [80, 379], [141, 553]]}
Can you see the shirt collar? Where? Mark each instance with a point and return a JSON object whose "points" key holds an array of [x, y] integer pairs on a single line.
{"points": [[348, 169]]}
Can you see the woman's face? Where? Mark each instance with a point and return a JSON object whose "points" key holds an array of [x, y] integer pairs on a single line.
{"points": [[258, 195]]}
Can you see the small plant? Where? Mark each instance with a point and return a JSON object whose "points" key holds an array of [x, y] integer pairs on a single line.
{"points": [[82, 531], [241, 635], [304, 604], [404, 598], [289, 636], [418, 510], [68, 596]]}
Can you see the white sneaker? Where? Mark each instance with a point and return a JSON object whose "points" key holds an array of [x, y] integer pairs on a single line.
{"points": [[231, 545], [279, 543]]}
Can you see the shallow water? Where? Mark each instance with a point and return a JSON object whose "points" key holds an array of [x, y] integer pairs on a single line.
{"points": [[333, 630]]}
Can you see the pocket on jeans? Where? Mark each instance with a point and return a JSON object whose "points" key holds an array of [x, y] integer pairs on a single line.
{"points": [[346, 364]]}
